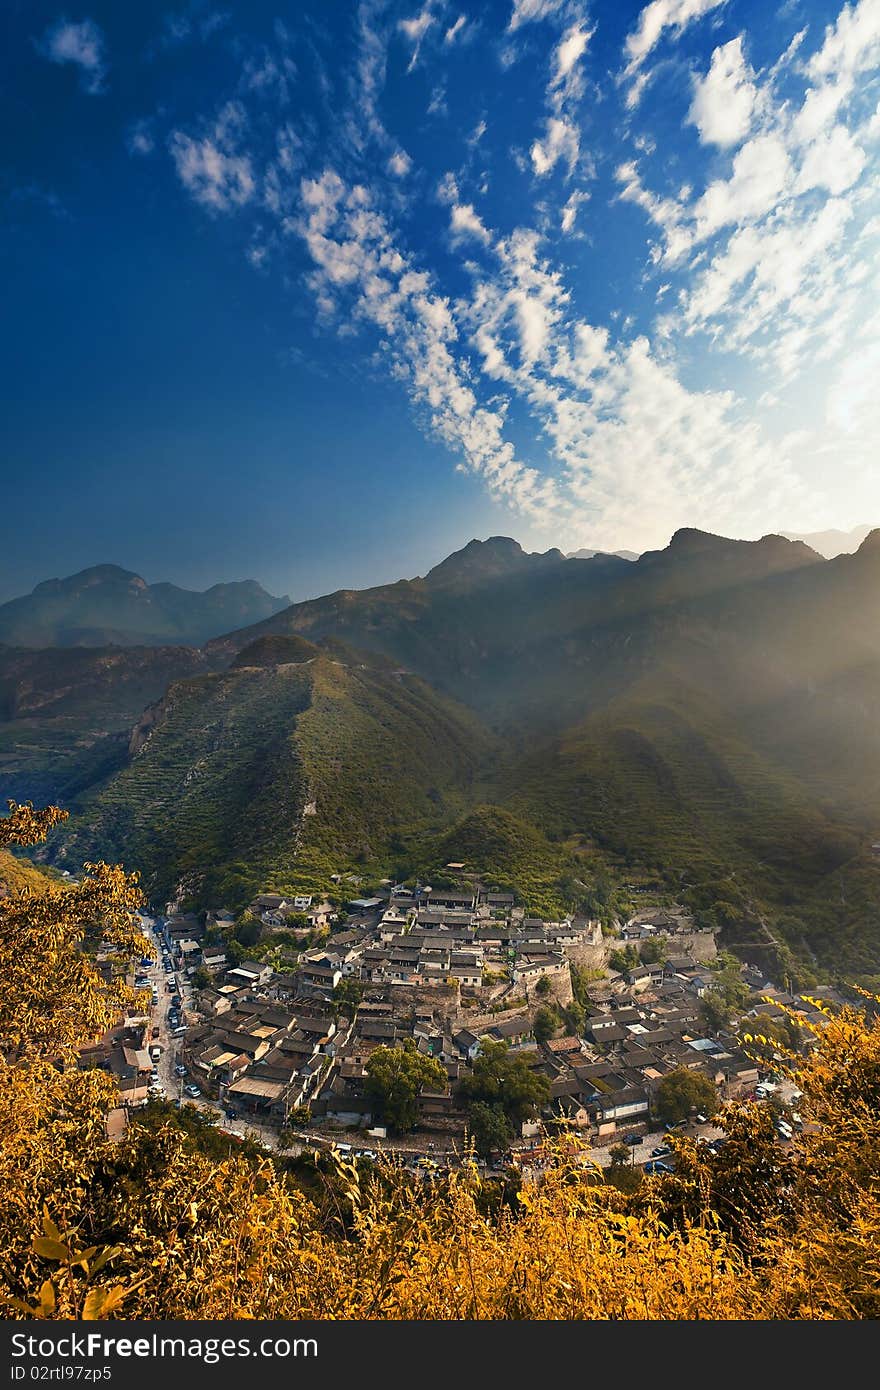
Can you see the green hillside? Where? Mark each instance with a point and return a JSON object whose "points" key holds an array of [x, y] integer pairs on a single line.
{"points": [[278, 776], [510, 854], [707, 717]]}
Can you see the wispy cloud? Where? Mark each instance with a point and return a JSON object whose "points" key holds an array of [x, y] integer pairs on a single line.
{"points": [[655, 20], [81, 43], [758, 261], [212, 167], [139, 138]]}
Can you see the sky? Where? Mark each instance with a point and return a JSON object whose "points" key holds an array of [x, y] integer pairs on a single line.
{"points": [[314, 291]]}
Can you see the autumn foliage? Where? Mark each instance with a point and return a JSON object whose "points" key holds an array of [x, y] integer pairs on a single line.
{"points": [[153, 1227]]}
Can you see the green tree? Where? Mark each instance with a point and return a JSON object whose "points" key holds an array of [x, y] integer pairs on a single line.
{"points": [[545, 1024], [248, 928], [575, 1018], [489, 1127], [620, 1155], [544, 986], [624, 957], [396, 1077], [682, 1092], [501, 1077], [347, 994], [655, 950], [202, 978]]}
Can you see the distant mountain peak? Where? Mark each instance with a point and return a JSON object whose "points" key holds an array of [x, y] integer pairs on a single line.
{"points": [[489, 559], [89, 578], [871, 543], [691, 539], [587, 554], [107, 605], [832, 543]]}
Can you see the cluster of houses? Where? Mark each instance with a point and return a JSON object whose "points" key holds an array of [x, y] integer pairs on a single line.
{"points": [[447, 971]]}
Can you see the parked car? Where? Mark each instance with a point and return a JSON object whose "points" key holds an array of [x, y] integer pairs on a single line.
{"points": [[192, 1090], [656, 1165], [155, 1052], [701, 1119], [154, 1076], [632, 1139], [661, 1151], [180, 1069]]}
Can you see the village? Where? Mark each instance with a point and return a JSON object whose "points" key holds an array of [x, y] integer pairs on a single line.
{"points": [[279, 1049]]}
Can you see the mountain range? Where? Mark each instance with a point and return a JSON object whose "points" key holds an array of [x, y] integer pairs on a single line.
{"points": [[832, 543], [106, 605], [704, 719]]}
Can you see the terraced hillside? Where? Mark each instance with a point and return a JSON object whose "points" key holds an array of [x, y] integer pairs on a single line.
{"points": [[278, 774], [66, 714]]}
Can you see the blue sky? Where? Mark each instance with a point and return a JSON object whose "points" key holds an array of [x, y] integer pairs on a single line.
{"points": [[315, 292]]}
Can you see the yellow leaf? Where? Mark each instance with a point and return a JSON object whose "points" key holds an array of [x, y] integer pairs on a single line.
{"points": [[49, 1249]]}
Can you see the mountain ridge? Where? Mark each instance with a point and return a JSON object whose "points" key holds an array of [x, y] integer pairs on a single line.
{"points": [[707, 716], [107, 605]]}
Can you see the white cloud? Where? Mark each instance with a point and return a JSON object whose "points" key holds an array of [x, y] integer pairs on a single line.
{"points": [[654, 20], [399, 164], [211, 168], [760, 250], [140, 139], [415, 30], [761, 173], [526, 11], [852, 43], [568, 216], [465, 222], [456, 30], [355, 255], [724, 100], [561, 142], [852, 405], [833, 162], [571, 49], [81, 44]]}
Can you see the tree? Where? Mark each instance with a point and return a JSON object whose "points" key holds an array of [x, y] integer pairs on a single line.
{"points": [[620, 1154], [728, 993], [575, 1018], [501, 1077], [544, 986], [654, 950], [624, 957], [682, 1092], [489, 1128], [396, 1077], [248, 929], [347, 994], [545, 1024], [202, 978]]}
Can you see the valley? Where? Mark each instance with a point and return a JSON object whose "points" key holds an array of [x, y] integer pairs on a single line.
{"points": [[704, 719]]}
